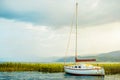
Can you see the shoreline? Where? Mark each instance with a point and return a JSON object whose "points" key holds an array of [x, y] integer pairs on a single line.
{"points": [[110, 67]]}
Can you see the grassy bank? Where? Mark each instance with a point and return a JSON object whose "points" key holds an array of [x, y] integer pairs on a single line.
{"points": [[110, 68], [42, 67]]}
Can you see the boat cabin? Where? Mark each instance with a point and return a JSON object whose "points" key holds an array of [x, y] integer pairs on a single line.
{"points": [[82, 66]]}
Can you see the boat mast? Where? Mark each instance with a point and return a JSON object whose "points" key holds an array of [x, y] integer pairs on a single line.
{"points": [[76, 48], [76, 29]]}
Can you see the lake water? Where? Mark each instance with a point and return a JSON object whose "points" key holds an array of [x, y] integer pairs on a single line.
{"points": [[51, 76]]}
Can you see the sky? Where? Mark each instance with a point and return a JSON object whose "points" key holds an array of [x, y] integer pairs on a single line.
{"points": [[31, 30]]}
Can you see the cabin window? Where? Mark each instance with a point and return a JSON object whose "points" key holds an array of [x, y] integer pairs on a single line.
{"points": [[75, 66], [79, 66]]}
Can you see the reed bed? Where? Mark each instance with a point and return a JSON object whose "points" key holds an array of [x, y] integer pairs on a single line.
{"points": [[110, 68], [42, 67]]}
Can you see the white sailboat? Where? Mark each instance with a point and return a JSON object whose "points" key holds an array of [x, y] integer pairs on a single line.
{"points": [[81, 68]]}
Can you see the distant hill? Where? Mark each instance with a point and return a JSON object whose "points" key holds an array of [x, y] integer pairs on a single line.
{"points": [[104, 57]]}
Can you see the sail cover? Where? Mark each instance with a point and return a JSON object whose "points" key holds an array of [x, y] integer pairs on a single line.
{"points": [[84, 60]]}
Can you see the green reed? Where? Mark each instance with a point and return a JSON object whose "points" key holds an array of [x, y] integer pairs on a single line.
{"points": [[110, 68], [48, 67]]}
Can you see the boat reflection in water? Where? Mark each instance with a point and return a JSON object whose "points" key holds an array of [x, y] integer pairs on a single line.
{"points": [[72, 77]]}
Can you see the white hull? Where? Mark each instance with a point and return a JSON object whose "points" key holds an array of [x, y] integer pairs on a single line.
{"points": [[85, 71]]}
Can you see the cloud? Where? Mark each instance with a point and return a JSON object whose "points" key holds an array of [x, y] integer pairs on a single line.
{"points": [[100, 39], [39, 28], [57, 13], [23, 40]]}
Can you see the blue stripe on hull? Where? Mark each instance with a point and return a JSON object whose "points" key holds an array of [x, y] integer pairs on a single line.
{"points": [[85, 74]]}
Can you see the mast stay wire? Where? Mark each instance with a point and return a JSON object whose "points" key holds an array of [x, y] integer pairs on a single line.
{"points": [[69, 38]]}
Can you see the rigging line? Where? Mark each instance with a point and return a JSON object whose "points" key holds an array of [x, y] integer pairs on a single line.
{"points": [[69, 39]]}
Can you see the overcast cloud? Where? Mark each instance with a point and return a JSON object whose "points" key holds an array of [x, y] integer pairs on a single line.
{"points": [[39, 28], [59, 12]]}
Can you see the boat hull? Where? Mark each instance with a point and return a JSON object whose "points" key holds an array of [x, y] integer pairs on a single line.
{"points": [[85, 72]]}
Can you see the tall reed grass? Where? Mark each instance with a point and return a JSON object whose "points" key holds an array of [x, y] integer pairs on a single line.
{"points": [[110, 68], [42, 67]]}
